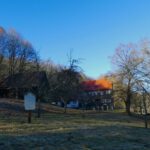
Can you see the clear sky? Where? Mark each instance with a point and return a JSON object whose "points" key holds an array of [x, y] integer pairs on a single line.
{"points": [[92, 28]]}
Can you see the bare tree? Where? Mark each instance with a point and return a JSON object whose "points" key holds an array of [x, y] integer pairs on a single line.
{"points": [[27, 55], [68, 82], [127, 61], [3, 42], [20, 54], [13, 47]]}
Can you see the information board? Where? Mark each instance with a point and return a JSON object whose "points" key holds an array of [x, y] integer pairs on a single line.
{"points": [[29, 101]]}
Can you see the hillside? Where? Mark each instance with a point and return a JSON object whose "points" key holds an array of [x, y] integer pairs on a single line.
{"points": [[14, 106]]}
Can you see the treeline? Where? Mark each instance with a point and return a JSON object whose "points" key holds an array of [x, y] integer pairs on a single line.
{"points": [[131, 78], [17, 55]]}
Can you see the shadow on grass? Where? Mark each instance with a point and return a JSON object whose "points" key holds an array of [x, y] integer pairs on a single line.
{"points": [[99, 119], [97, 138]]}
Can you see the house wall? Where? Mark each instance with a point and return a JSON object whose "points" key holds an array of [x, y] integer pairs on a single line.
{"points": [[101, 100]]}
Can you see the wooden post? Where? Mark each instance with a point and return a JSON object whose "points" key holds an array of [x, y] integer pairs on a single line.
{"points": [[39, 108], [29, 116], [16, 93]]}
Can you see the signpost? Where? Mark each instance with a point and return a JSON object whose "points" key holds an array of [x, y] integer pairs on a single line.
{"points": [[29, 104]]}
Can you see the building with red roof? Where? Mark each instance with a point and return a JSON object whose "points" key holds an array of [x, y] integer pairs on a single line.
{"points": [[99, 93]]}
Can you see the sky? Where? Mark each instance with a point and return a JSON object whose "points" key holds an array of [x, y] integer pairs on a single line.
{"points": [[92, 29]]}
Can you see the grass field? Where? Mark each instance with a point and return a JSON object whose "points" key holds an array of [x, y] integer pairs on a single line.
{"points": [[72, 131]]}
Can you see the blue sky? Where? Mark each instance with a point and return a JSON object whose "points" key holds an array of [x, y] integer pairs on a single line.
{"points": [[92, 28]]}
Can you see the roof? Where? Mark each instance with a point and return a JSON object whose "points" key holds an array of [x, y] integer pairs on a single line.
{"points": [[96, 85], [25, 80]]}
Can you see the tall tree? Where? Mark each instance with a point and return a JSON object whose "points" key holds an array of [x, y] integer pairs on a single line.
{"points": [[68, 82], [13, 47], [2, 49], [127, 62], [20, 54], [27, 55]]}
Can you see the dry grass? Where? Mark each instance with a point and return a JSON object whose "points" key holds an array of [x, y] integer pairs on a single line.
{"points": [[58, 131]]}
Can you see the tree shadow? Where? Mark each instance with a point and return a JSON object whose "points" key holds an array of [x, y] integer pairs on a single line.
{"points": [[94, 138]]}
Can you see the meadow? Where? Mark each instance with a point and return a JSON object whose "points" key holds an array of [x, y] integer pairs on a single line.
{"points": [[72, 131]]}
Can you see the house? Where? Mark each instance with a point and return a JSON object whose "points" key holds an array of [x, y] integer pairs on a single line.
{"points": [[98, 94], [15, 86]]}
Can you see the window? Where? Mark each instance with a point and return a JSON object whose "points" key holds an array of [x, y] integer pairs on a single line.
{"points": [[96, 93], [109, 91], [102, 100], [108, 100], [99, 93]]}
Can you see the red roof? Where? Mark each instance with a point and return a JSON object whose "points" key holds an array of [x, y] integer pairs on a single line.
{"points": [[96, 85]]}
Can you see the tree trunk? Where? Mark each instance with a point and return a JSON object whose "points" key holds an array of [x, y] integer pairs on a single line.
{"points": [[83, 107], [128, 104], [128, 98], [145, 109], [83, 110], [128, 101], [65, 107], [145, 121]]}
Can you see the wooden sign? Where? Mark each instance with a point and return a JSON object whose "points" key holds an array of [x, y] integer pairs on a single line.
{"points": [[29, 101]]}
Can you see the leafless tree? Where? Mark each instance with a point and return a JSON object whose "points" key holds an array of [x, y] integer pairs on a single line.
{"points": [[127, 61], [3, 42], [21, 55]]}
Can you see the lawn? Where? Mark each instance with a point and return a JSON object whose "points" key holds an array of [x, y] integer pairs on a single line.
{"points": [[73, 131]]}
